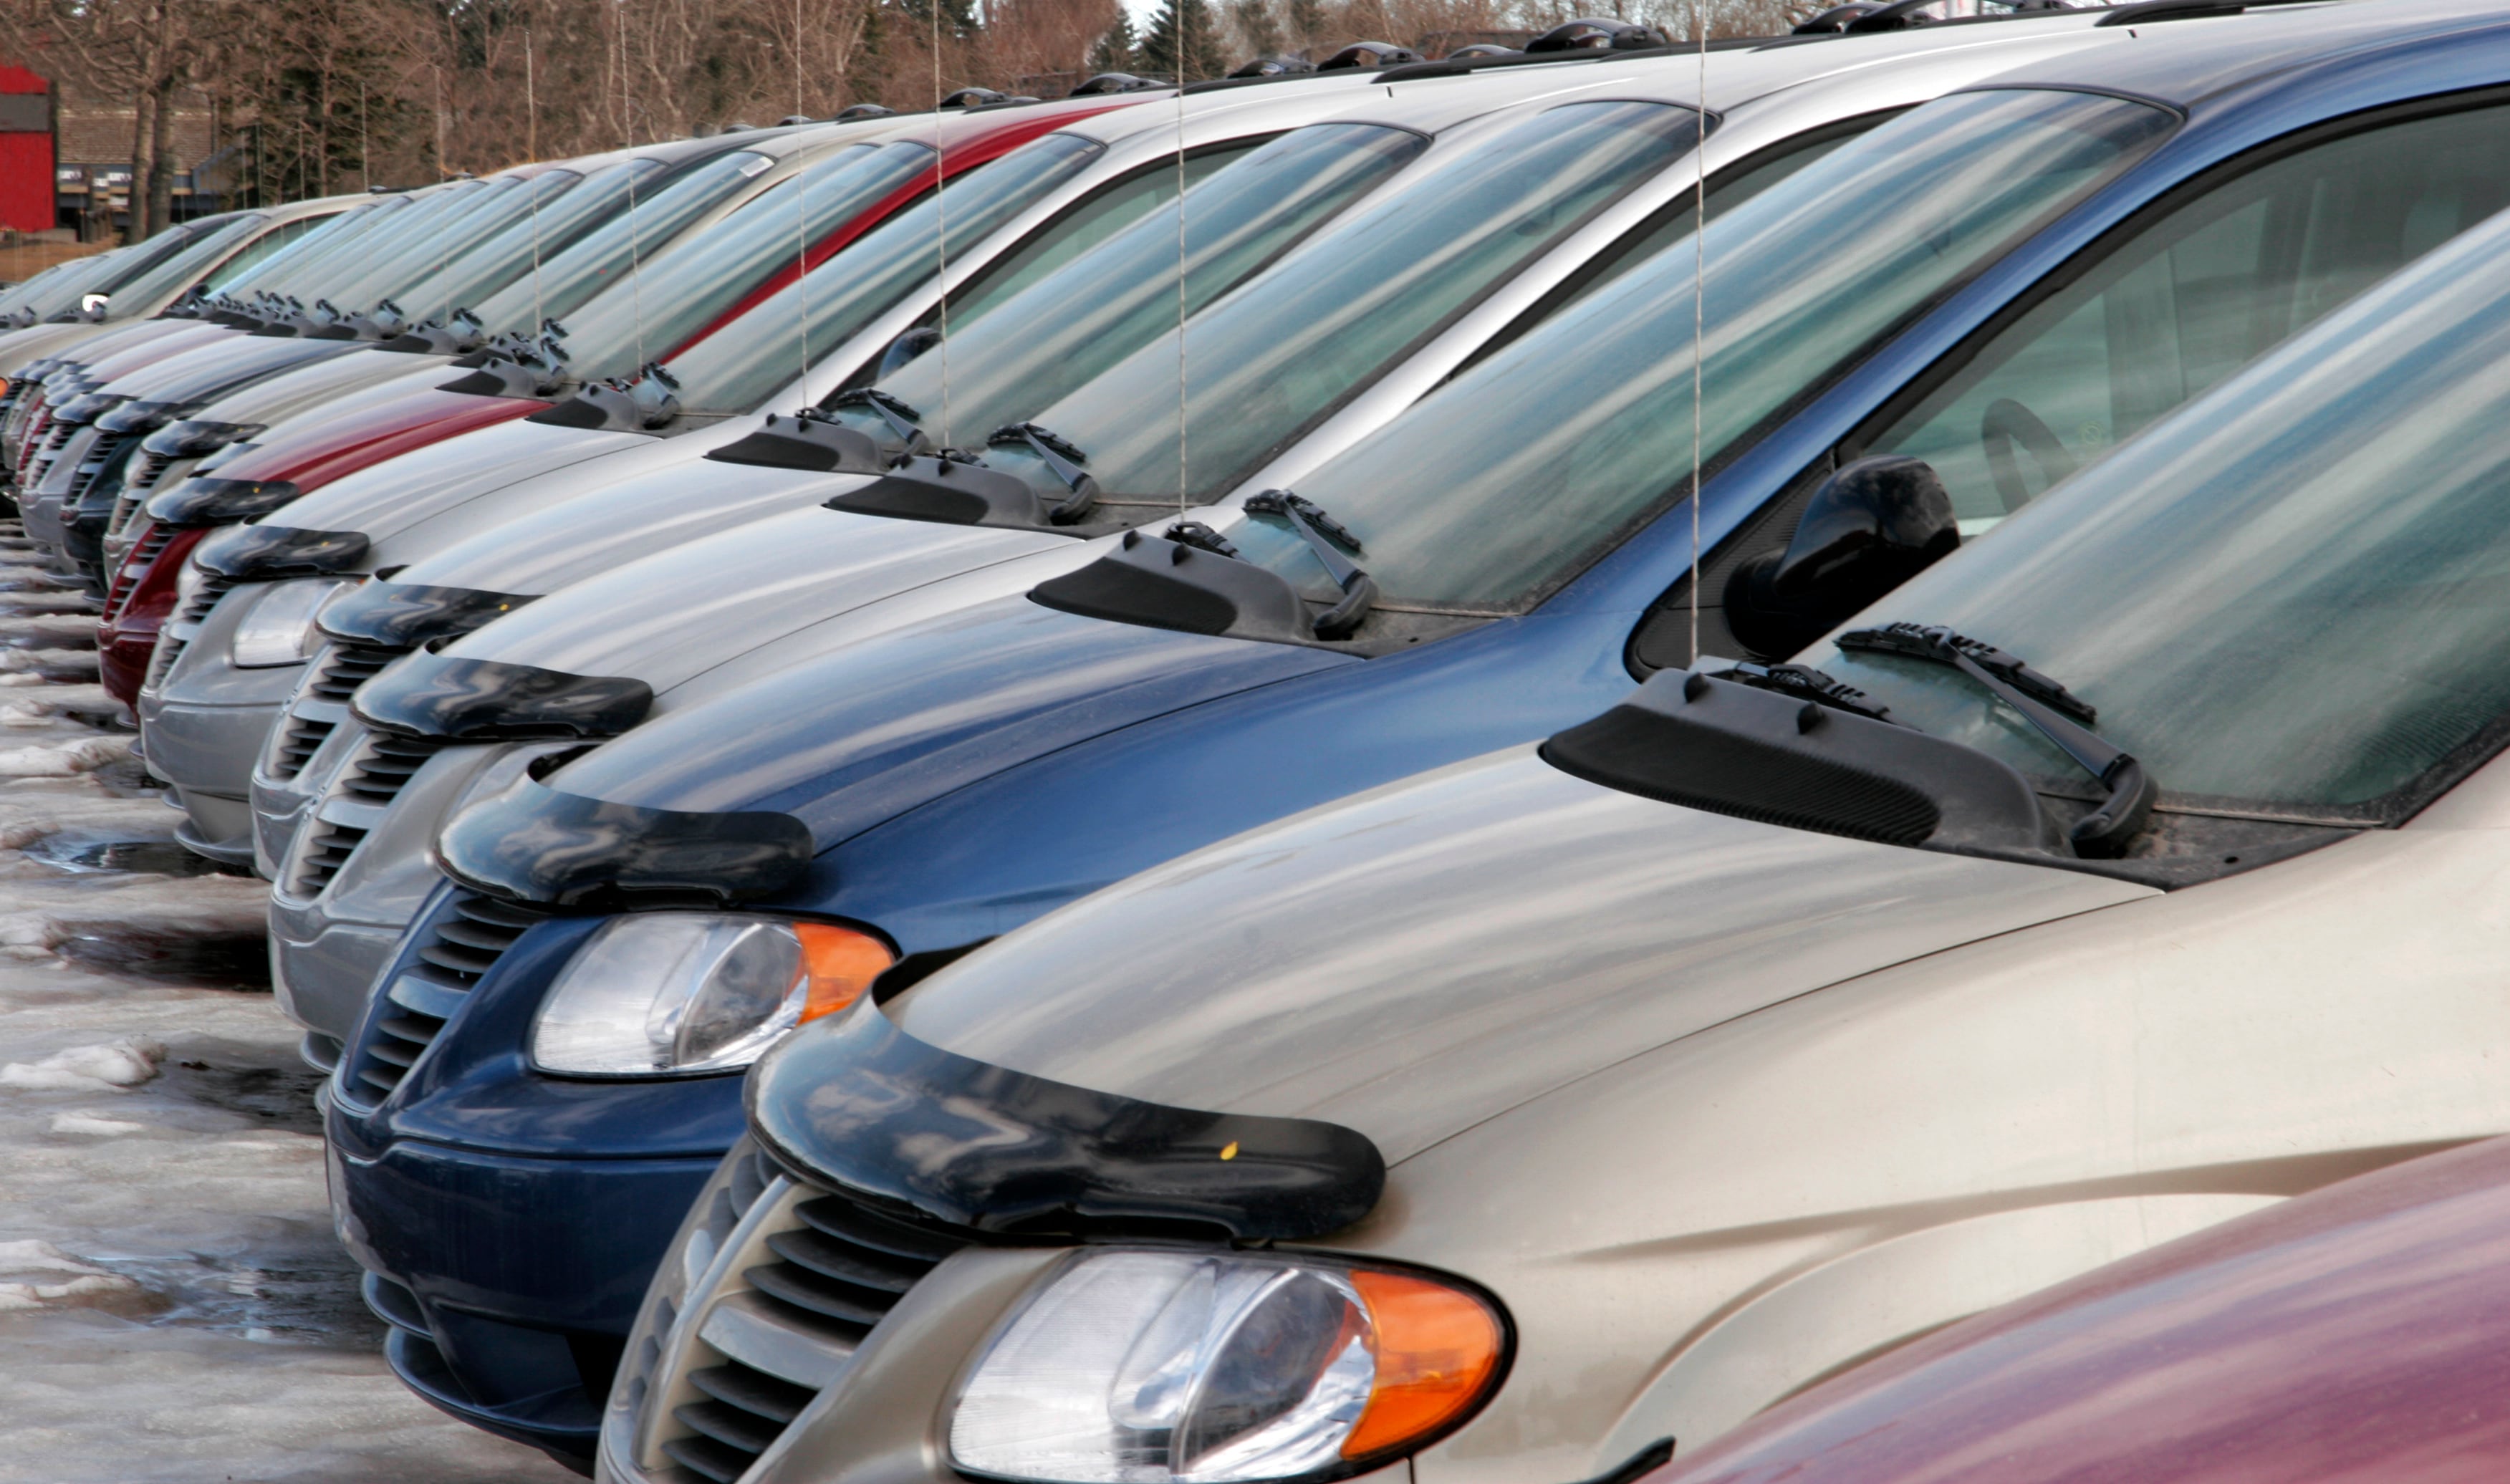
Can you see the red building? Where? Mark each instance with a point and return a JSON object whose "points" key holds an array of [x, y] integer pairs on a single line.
{"points": [[25, 151]]}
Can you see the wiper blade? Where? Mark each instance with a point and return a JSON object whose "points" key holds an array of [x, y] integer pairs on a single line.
{"points": [[2050, 709], [1062, 458], [1315, 527], [904, 422], [1804, 680]]}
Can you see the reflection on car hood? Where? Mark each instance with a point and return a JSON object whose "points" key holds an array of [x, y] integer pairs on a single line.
{"points": [[672, 616], [201, 372], [400, 492], [1419, 959], [870, 730]]}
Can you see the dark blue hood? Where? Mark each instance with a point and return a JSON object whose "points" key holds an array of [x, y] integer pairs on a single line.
{"points": [[872, 731]]}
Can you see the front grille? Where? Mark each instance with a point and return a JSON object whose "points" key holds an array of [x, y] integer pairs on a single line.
{"points": [[134, 566], [298, 741], [464, 943], [55, 439], [386, 769], [836, 1270], [348, 665], [145, 474], [327, 848], [101, 456], [172, 639]]}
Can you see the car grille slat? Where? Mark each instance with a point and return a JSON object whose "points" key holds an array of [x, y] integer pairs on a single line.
{"points": [[791, 1283], [395, 1042], [753, 1392], [730, 1425], [348, 665], [842, 1263], [387, 767], [326, 851], [849, 1222], [102, 456], [720, 1463], [134, 566]]}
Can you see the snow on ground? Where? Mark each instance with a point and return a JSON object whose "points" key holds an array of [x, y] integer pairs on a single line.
{"points": [[172, 1303]]}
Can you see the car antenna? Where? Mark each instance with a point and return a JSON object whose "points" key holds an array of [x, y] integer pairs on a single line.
{"points": [[636, 284], [540, 321], [940, 229], [801, 224], [1698, 309], [1184, 47]]}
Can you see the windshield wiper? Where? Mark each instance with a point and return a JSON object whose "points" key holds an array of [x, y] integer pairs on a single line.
{"points": [[905, 423], [1315, 527], [2048, 707], [1815, 686]]}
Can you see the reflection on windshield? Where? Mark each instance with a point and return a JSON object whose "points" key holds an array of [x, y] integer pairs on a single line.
{"points": [[517, 255], [2292, 595], [641, 223], [1499, 484], [1070, 326], [208, 242], [803, 321], [687, 288], [1324, 320]]}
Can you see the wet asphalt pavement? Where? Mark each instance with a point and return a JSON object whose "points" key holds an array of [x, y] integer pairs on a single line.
{"points": [[172, 1303]]}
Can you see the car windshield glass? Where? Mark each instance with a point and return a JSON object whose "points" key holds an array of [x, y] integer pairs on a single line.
{"points": [[736, 368], [640, 225], [336, 240], [693, 283], [1073, 324], [269, 245], [1522, 470], [39, 292], [2291, 596], [480, 219], [1295, 342], [145, 292], [149, 256], [520, 253]]}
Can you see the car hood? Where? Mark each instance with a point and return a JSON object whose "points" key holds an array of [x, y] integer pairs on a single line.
{"points": [[2371, 1307], [397, 493], [872, 730], [332, 443], [205, 373], [672, 616], [682, 498], [323, 385], [115, 356], [1417, 960]]}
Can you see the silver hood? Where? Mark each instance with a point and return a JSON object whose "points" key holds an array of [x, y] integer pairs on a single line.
{"points": [[1421, 959]]}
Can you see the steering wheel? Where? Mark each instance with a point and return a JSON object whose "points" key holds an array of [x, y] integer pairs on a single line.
{"points": [[2007, 423]]}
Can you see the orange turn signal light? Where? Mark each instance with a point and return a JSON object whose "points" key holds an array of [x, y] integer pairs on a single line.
{"points": [[839, 963], [1439, 1355]]}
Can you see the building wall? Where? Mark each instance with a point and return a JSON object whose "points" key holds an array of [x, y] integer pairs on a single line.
{"points": [[25, 151]]}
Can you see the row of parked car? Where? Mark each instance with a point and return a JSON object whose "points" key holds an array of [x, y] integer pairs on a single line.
{"points": [[1310, 777]]}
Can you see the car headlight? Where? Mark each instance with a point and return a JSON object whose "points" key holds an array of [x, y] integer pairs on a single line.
{"points": [[1148, 1367], [279, 628], [657, 993]]}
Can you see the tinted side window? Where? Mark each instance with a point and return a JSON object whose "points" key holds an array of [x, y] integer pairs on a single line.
{"points": [[2200, 292]]}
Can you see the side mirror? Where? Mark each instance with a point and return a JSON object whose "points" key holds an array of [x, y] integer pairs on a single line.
{"points": [[1870, 527], [906, 348]]}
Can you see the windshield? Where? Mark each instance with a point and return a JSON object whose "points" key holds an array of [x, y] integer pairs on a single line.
{"points": [[1071, 324], [519, 254], [270, 244], [37, 290], [333, 240], [639, 225], [695, 281], [408, 257], [2293, 596], [146, 293], [771, 345], [1518, 472], [1265, 361]]}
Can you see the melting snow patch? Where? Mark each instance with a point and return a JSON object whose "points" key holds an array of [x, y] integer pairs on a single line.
{"points": [[89, 1123], [82, 756], [83, 1284], [124, 1063]]}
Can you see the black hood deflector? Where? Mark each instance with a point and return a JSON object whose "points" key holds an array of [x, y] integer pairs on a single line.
{"points": [[205, 501], [534, 844], [406, 614], [856, 1103], [263, 552], [459, 700]]}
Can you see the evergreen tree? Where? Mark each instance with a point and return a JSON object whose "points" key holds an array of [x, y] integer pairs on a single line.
{"points": [[1257, 26], [1185, 42], [1116, 50]]}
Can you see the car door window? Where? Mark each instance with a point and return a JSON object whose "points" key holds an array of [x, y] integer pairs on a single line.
{"points": [[2185, 302]]}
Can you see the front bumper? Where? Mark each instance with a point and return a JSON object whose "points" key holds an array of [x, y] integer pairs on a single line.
{"points": [[322, 970], [511, 1281], [207, 752]]}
